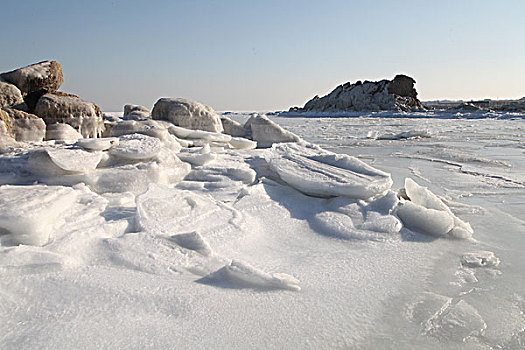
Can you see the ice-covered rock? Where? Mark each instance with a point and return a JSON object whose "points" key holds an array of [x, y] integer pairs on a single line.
{"points": [[266, 132], [27, 213], [424, 212], [10, 95], [317, 172], [26, 127], [480, 258], [46, 75], [238, 274], [136, 112], [136, 147], [100, 144], [233, 128], [187, 114], [62, 132], [84, 116], [398, 94]]}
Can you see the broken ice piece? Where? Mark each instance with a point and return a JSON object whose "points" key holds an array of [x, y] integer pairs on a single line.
{"points": [[480, 258]]}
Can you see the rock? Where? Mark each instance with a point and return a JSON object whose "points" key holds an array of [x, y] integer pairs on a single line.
{"points": [[398, 94], [26, 127], [267, 132], [187, 114], [233, 128], [62, 132], [5, 124], [84, 116], [10, 95], [46, 75], [136, 112]]}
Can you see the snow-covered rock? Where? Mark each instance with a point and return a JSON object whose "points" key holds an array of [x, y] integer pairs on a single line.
{"points": [[187, 114], [136, 112], [62, 132], [398, 94], [84, 116], [266, 132], [317, 172], [10, 95], [426, 213], [45, 76], [26, 127], [233, 128]]}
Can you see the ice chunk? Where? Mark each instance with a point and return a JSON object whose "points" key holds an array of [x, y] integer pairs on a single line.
{"points": [[196, 159], [136, 146], [242, 143], [192, 241], [27, 213], [237, 274], [317, 172], [426, 213], [101, 144], [74, 160], [480, 258], [165, 211], [199, 134], [62, 132]]}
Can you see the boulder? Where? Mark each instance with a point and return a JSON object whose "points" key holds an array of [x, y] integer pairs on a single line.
{"points": [[136, 112], [187, 114], [59, 107], [398, 94], [62, 132], [5, 124], [10, 95], [26, 127], [266, 132], [46, 75]]}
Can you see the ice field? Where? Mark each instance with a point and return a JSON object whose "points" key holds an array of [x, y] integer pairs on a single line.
{"points": [[375, 232]]}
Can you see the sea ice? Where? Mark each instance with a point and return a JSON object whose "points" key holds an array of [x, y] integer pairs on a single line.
{"points": [[136, 146], [317, 172], [99, 144], [193, 241], [480, 258]]}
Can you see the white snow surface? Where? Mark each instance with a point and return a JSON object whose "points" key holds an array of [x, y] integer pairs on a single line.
{"points": [[350, 244]]}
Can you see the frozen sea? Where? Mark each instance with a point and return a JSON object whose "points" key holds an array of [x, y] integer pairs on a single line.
{"points": [[105, 282]]}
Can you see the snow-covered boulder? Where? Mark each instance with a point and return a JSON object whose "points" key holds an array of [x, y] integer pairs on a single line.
{"points": [[84, 116], [136, 112], [46, 75], [26, 126], [398, 94], [266, 132], [10, 95], [320, 173], [62, 132], [426, 213], [187, 114]]}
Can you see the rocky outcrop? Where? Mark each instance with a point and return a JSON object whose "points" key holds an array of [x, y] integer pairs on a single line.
{"points": [[10, 95], [25, 127], [187, 114], [84, 116], [46, 76], [398, 94]]}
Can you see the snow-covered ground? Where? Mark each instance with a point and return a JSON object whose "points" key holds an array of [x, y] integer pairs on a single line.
{"points": [[291, 247]]}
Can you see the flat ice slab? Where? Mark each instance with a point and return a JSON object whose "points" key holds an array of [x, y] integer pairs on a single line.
{"points": [[317, 172]]}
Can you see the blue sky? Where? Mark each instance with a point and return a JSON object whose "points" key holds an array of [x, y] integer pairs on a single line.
{"points": [[267, 55]]}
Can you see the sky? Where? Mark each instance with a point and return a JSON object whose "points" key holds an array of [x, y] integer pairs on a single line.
{"points": [[267, 55]]}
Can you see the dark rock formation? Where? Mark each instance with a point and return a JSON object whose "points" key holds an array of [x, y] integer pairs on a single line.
{"points": [[398, 94], [10, 95]]}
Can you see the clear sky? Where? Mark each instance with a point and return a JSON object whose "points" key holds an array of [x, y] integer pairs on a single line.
{"points": [[265, 54]]}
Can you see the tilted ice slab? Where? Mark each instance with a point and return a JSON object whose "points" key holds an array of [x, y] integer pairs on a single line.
{"points": [[27, 213], [424, 212], [62, 161], [184, 133], [99, 144], [238, 274], [317, 172]]}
